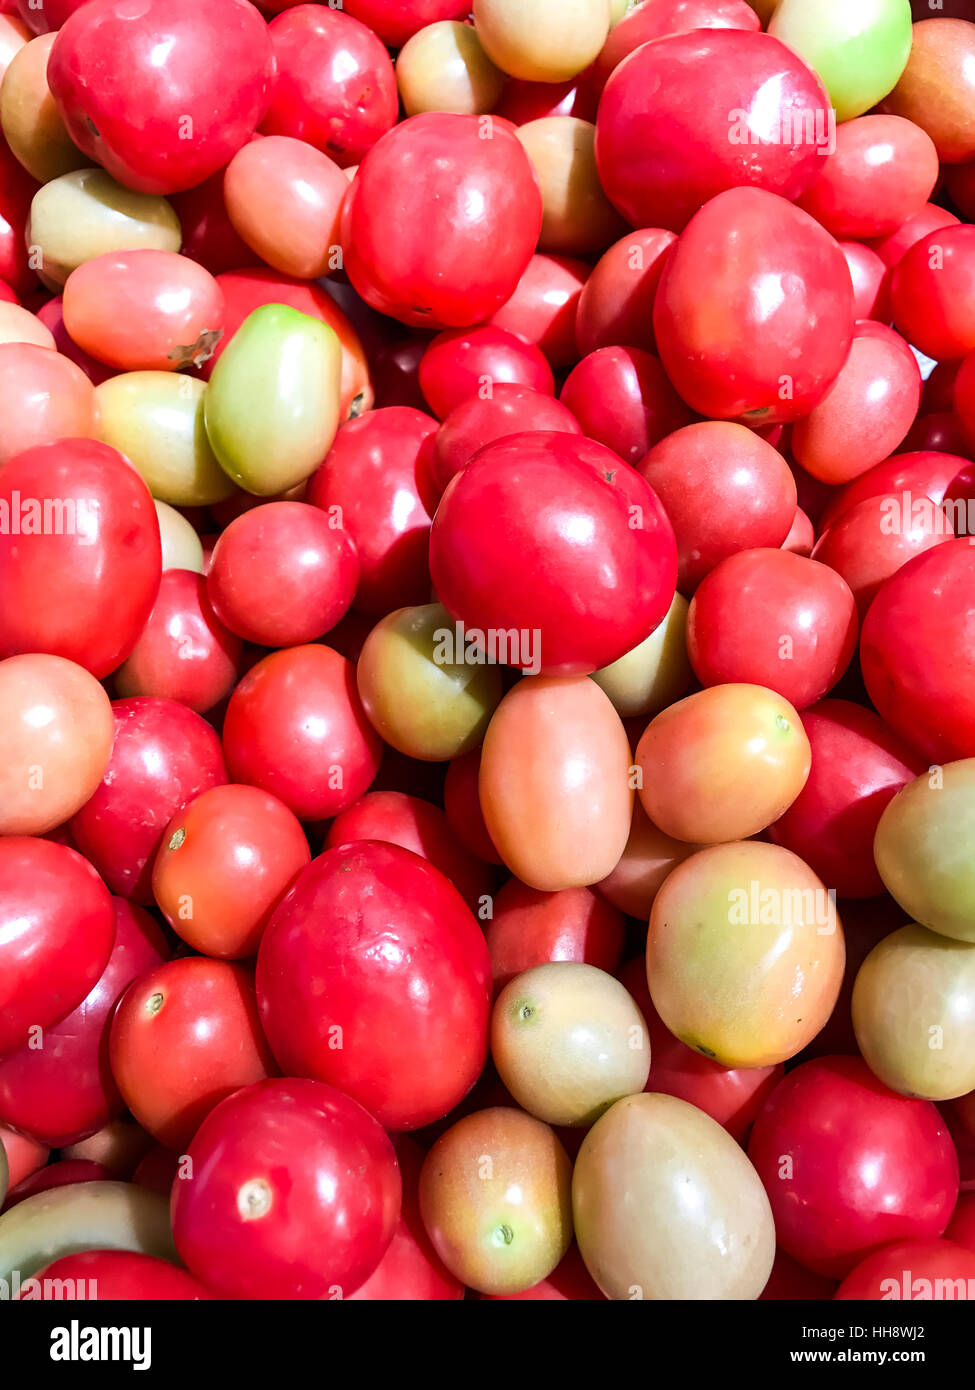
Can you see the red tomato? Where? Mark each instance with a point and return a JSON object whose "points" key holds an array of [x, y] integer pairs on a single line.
{"points": [[882, 172], [477, 421], [334, 84], [468, 212], [802, 536], [529, 928], [932, 292], [294, 1194], [144, 310], [699, 113], [246, 290], [419, 826], [52, 317], [120, 1276], [732, 1096], [376, 482], [48, 16], [282, 574], [184, 652], [225, 862], [858, 766], [468, 363], [161, 98], [201, 1017], [164, 756], [84, 586], [867, 271], [44, 398], [295, 727], [17, 188], [875, 539], [569, 1281], [392, 1002], [724, 490], [544, 304], [523, 101], [411, 1268], [891, 249], [789, 1282], [768, 356], [395, 21], [849, 1166], [64, 1174], [501, 560], [767, 617], [918, 663], [964, 397], [462, 805], [913, 1269], [56, 932], [622, 398], [616, 304], [665, 17], [919, 474], [208, 233], [64, 1091]]}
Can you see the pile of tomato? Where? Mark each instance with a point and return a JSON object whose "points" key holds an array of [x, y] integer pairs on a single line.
{"points": [[487, 679]]}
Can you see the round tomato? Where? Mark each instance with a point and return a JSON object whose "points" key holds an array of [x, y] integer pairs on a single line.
{"points": [[120, 1275]]}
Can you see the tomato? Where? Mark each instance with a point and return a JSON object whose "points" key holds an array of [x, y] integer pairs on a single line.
{"points": [[294, 1194], [469, 212], [480, 420], [882, 172], [795, 626], [802, 537], [915, 656], [543, 306], [284, 198], [724, 489], [419, 826], [528, 928], [913, 1269], [858, 766], [23, 1156], [58, 929], [56, 734], [201, 1015], [63, 1174], [703, 112], [648, 858], [499, 563], [395, 21], [924, 475], [577, 217], [295, 727], [554, 782], [334, 85], [282, 574], [84, 584], [225, 862], [616, 304], [656, 21], [410, 1018], [936, 88], [444, 68], [849, 1166], [49, 15], [246, 290], [762, 359], [184, 652], [17, 189], [462, 806], [164, 755], [31, 124], [891, 249], [410, 1269], [50, 314], [569, 1280], [623, 399], [964, 397], [932, 290], [138, 95], [376, 482], [464, 364], [732, 1096], [522, 102], [64, 1091], [868, 273], [208, 233], [960, 184], [121, 1275], [44, 398]]}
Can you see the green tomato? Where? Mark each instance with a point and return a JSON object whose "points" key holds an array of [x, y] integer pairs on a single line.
{"points": [[272, 404], [156, 420], [859, 48]]}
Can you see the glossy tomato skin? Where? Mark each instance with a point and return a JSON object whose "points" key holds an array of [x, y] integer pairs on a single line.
{"points": [[417, 825], [124, 1276], [208, 233], [918, 665], [544, 304], [478, 421], [52, 316], [921, 473], [537, 517], [528, 928], [867, 271], [164, 755], [932, 291], [866, 549], [64, 1173], [850, 1166], [395, 21], [403, 973], [858, 766], [570, 1281], [334, 85], [295, 1194], [58, 930], [794, 631], [17, 189], [669, 17], [469, 212], [46, 17], [295, 727], [462, 806], [755, 362], [65, 1091], [463, 363], [199, 1015], [682, 121], [378, 476], [912, 1269], [161, 126], [87, 592], [622, 398], [616, 304]]}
